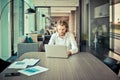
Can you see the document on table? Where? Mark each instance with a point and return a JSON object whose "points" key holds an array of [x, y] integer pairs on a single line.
{"points": [[33, 70], [18, 65], [31, 61], [24, 63]]}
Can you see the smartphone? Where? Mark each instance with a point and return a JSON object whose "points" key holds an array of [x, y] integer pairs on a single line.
{"points": [[12, 74]]}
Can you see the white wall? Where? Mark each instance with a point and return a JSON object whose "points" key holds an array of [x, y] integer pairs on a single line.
{"points": [[29, 23], [56, 2], [29, 19], [42, 22], [117, 12]]}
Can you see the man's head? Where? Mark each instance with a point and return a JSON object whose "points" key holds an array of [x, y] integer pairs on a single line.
{"points": [[62, 27]]}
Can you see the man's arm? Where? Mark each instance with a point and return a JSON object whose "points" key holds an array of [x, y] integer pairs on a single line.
{"points": [[51, 41], [74, 48]]}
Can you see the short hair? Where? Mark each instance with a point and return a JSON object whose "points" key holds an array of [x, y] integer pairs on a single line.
{"points": [[63, 23]]}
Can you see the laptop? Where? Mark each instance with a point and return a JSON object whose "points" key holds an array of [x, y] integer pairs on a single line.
{"points": [[56, 51]]}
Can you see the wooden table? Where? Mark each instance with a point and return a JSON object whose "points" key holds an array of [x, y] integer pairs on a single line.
{"points": [[81, 66]]}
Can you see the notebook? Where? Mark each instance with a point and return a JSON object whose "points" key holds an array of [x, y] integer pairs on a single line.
{"points": [[58, 51]]}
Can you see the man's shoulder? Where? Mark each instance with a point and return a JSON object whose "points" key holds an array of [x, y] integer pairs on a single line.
{"points": [[54, 34], [69, 34]]}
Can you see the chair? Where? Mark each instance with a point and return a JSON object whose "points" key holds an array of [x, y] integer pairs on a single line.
{"points": [[29, 44], [29, 47], [46, 39], [112, 64]]}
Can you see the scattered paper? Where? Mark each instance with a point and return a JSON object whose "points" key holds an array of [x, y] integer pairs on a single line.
{"points": [[33, 70], [31, 62], [18, 65], [24, 63]]}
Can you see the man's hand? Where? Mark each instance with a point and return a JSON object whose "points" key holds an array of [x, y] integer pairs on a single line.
{"points": [[69, 53]]}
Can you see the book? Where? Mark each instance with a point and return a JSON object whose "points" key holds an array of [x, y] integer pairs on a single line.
{"points": [[33, 70]]}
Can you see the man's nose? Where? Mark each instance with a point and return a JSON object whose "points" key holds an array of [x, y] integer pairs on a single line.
{"points": [[61, 31]]}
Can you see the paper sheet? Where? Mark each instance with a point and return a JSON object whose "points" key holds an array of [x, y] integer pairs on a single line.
{"points": [[18, 65], [33, 70], [31, 61]]}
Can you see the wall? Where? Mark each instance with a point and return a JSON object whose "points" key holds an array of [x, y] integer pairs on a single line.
{"points": [[72, 22], [42, 22], [29, 25], [78, 26], [5, 32], [84, 17], [117, 13], [29, 19], [82, 30]]}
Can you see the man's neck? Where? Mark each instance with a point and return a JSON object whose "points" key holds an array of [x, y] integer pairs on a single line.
{"points": [[61, 36]]}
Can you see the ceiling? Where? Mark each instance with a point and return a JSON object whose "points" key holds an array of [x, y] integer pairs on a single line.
{"points": [[58, 6], [62, 9]]}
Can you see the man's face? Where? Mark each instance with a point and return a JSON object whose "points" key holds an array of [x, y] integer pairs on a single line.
{"points": [[61, 30]]}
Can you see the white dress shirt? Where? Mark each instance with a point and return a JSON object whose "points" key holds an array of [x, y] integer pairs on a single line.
{"points": [[67, 40]]}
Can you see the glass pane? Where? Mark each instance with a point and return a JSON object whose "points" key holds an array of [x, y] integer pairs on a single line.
{"points": [[99, 26], [42, 19], [115, 30], [5, 27]]}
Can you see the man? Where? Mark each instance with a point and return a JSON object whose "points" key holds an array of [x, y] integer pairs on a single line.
{"points": [[63, 37]]}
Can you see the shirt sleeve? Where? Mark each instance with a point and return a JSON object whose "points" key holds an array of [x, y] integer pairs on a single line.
{"points": [[74, 47], [52, 40]]}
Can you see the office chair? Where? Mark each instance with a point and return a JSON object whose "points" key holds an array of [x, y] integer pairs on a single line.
{"points": [[112, 64], [47, 38]]}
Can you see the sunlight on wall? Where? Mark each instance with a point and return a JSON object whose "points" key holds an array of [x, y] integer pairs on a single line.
{"points": [[29, 18], [117, 12], [43, 22]]}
